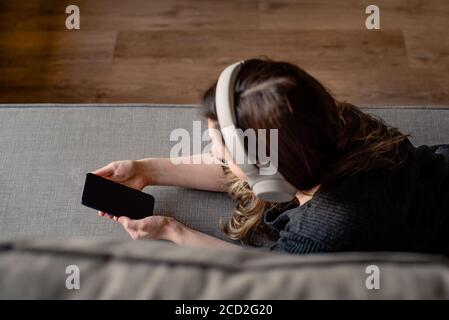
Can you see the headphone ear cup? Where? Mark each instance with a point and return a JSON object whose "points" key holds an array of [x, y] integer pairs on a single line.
{"points": [[272, 188]]}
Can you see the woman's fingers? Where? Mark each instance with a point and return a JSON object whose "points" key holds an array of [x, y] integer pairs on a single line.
{"points": [[124, 221], [109, 216], [103, 214], [106, 171]]}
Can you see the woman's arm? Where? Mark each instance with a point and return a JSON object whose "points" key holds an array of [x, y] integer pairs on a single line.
{"points": [[183, 235], [167, 228], [163, 172]]}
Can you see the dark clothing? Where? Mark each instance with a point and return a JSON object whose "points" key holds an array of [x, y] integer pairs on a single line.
{"points": [[401, 209]]}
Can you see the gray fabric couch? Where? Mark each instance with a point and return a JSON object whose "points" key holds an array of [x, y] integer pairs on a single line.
{"points": [[46, 151]]}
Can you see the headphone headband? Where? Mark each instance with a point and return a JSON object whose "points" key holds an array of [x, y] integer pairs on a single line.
{"points": [[224, 96], [273, 188]]}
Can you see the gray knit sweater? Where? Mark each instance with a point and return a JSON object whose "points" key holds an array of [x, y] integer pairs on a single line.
{"points": [[400, 209]]}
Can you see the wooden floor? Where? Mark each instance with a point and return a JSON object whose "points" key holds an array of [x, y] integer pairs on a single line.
{"points": [[169, 51]]}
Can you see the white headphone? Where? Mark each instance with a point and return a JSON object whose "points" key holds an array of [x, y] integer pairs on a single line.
{"points": [[272, 188]]}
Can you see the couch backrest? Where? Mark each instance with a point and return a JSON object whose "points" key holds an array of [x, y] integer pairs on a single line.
{"points": [[115, 269]]}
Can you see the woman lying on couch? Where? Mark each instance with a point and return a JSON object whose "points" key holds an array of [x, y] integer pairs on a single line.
{"points": [[359, 185]]}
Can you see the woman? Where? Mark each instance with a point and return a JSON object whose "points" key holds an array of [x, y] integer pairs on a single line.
{"points": [[361, 184]]}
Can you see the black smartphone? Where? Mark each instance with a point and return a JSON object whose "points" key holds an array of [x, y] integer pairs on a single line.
{"points": [[116, 199]]}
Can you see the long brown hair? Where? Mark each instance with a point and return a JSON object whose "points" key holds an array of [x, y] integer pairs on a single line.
{"points": [[320, 139]]}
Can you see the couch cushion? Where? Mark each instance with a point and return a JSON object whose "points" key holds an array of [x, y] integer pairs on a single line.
{"points": [[115, 269], [46, 152], [47, 149]]}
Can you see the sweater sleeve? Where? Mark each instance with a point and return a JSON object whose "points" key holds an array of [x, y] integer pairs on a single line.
{"points": [[297, 244], [291, 241]]}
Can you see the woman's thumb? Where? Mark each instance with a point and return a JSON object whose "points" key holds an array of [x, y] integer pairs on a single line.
{"points": [[125, 222], [106, 171]]}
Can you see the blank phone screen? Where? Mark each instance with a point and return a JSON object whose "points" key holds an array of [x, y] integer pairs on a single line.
{"points": [[116, 199]]}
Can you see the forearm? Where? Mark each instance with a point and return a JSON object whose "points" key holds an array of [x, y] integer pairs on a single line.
{"points": [[164, 172], [183, 235]]}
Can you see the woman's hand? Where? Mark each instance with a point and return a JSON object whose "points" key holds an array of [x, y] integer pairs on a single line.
{"points": [[161, 171], [168, 228], [153, 227], [128, 172], [131, 173]]}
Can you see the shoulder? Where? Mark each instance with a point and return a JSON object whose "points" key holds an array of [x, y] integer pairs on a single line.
{"points": [[326, 223]]}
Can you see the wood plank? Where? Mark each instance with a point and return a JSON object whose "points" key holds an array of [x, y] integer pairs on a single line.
{"points": [[24, 48], [428, 49], [109, 15], [144, 82], [316, 48], [388, 86], [350, 14], [70, 83], [311, 15], [154, 81], [176, 81]]}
